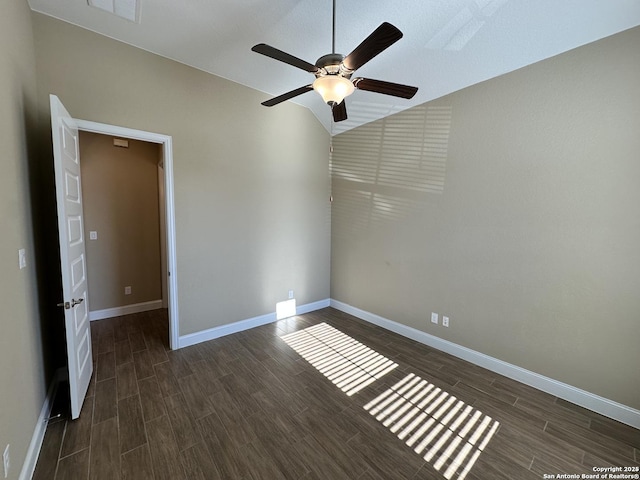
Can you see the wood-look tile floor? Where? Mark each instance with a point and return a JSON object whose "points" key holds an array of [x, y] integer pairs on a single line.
{"points": [[248, 406]]}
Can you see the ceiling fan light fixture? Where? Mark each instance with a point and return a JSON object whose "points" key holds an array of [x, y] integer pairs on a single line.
{"points": [[333, 88]]}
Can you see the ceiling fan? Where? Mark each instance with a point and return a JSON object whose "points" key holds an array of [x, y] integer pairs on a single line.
{"points": [[333, 71]]}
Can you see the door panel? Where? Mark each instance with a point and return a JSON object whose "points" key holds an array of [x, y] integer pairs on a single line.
{"points": [[75, 230], [72, 253]]}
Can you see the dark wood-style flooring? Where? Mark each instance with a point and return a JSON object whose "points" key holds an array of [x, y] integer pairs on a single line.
{"points": [[248, 406]]}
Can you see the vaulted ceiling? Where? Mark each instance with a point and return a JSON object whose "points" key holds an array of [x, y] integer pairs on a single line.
{"points": [[447, 44]]}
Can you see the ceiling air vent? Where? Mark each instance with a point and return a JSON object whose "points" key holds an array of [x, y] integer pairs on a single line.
{"points": [[127, 9]]}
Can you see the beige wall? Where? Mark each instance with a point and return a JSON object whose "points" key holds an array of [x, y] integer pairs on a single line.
{"points": [[251, 183], [23, 378], [120, 194], [513, 207]]}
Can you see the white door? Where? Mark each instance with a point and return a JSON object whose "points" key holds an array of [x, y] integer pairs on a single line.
{"points": [[66, 158]]}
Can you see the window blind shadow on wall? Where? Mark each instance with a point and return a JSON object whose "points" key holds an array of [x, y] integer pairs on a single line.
{"points": [[386, 170]]}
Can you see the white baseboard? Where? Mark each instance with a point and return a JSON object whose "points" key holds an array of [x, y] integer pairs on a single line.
{"points": [[601, 405], [124, 310], [31, 459], [221, 331], [312, 307]]}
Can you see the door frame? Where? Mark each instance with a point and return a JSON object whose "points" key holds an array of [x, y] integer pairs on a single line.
{"points": [[167, 155]]}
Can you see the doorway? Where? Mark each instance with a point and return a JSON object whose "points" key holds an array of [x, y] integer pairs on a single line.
{"points": [[165, 191], [121, 211]]}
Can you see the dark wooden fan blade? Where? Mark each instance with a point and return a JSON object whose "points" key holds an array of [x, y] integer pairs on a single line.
{"points": [[339, 111], [287, 96], [284, 57], [388, 88], [382, 38]]}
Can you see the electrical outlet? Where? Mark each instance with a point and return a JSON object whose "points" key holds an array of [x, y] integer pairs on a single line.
{"points": [[93, 235], [7, 461], [445, 321], [434, 318], [290, 294], [127, 290], [22, 258]]}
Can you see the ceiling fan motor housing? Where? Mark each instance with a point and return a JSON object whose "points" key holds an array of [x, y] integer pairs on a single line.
{"points": [[332, 65]]}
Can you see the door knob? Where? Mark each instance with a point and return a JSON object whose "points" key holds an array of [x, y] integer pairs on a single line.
{"points": [[73, 303]]}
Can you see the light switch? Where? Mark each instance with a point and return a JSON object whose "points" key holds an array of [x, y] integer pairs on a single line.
{"points": [[22, 258], [93, 235]]}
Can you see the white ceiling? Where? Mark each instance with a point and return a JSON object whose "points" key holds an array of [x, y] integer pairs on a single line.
{"points": [[447, 44]]}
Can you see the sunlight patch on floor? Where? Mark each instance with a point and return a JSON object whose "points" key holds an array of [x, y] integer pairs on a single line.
{"points": [[445, 431], [349, 364], [448, 433]]}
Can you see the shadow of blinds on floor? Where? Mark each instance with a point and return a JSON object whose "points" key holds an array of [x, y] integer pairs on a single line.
{"points": [[449, 434], [349, 364]]}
